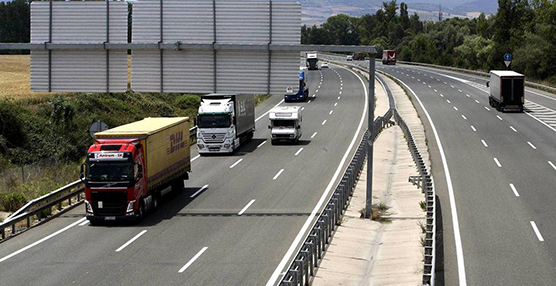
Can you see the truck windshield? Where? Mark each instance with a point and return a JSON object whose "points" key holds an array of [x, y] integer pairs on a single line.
{"points": [[214, 121], [109, 171], [283, 123]]}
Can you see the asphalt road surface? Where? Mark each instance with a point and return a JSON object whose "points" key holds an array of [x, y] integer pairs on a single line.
{"points": [[498, 176], [234, 222]]}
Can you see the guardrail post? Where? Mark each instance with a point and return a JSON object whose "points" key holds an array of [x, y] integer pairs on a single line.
{"points": [[3, 232], [311, 254], [13, 228], [28, 222]]}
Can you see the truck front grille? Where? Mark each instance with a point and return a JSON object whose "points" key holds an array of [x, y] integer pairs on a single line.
{"points": [[213, 137], [114, 203]]}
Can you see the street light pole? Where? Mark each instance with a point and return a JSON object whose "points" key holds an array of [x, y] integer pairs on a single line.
{"points": [[369, 202]]}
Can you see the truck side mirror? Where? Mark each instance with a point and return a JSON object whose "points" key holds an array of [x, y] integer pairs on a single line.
{"points": [[488, 83], [139, 171], [298, 126], [269, 127], [82, 172]]}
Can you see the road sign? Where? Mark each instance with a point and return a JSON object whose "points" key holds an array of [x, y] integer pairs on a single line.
{"points": [[507, 63], [507, 57]]}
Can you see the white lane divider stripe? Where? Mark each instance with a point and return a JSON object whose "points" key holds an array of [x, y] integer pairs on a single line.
{"points": [[435, 90], [537, 232], [235, 164], [497, 163], [511, 127], [330, 111], [498, 116], [550, 163], [303, 108], [531, 144], [314, 134], [193, 259], [448, 101], [484, 143], [487, 108], [199, 191], [442, 95], [298, 151], [264, 114], [477, 101], [324, 122], [246, 207], [514, 190], [467, 95], [84, 223], [259, 146], [195, 158], [309, 101], [460, 90], [463, 116], [336, 104], [455, 108], [131, 240], [278, 174], [42, 240], [473, 127]]}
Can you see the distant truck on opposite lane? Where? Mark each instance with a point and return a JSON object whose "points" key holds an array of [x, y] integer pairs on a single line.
{"points": [[507, 90], [389, 57]]}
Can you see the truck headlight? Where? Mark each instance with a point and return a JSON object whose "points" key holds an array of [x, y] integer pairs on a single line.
{"points": [[201, 146], [226, 145], [88, 207], [130, 206]]}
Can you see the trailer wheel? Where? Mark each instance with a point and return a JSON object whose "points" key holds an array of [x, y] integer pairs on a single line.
{"points": [[156, 196]]}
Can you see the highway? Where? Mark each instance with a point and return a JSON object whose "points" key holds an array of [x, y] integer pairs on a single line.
{"points": [[234, 223], [496, 171]]}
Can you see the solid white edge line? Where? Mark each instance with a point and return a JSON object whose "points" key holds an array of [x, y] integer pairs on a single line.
{"points": [[537, 232], [200, 190], [235, 164], [497, 163], [193, 259], [258, 146], [84, 223], [307, 223], [41, 240], [195, 158], [246, 207], [531, 144], [131, 240], [264, 114], [473, 127], [540, 121], [484, 143], [314, 134], [457, 234], [550, 163], [514, 190], [278, 174], [298, 151]]}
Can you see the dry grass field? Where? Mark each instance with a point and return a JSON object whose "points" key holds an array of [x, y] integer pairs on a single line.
{"points": [[14, 77]]}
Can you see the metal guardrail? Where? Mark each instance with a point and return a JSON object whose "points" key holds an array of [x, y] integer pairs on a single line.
{"points": [[42, 207], [426, 183]]}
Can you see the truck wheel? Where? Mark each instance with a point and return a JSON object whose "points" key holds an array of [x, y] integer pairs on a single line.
{"points": [[140, 211], [92, 222], [155, 202], [177, 185], [273, 142]]}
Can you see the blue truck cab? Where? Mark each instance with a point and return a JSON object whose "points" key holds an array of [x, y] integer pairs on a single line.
{"points": [[301, 94]]}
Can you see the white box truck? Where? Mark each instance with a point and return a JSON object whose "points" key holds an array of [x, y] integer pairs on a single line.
{"points": [[225, 122], [285, 124], [507, 90]]}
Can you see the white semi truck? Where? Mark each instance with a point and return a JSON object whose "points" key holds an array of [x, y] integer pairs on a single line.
{"points": [[507, 90], [225, 122], [285, 124]]}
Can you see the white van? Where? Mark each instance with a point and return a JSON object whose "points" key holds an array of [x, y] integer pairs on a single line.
{"points": [[285, 124]]}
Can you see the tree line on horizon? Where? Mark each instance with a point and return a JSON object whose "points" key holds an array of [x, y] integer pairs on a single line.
{"points": [[524, 28]]}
